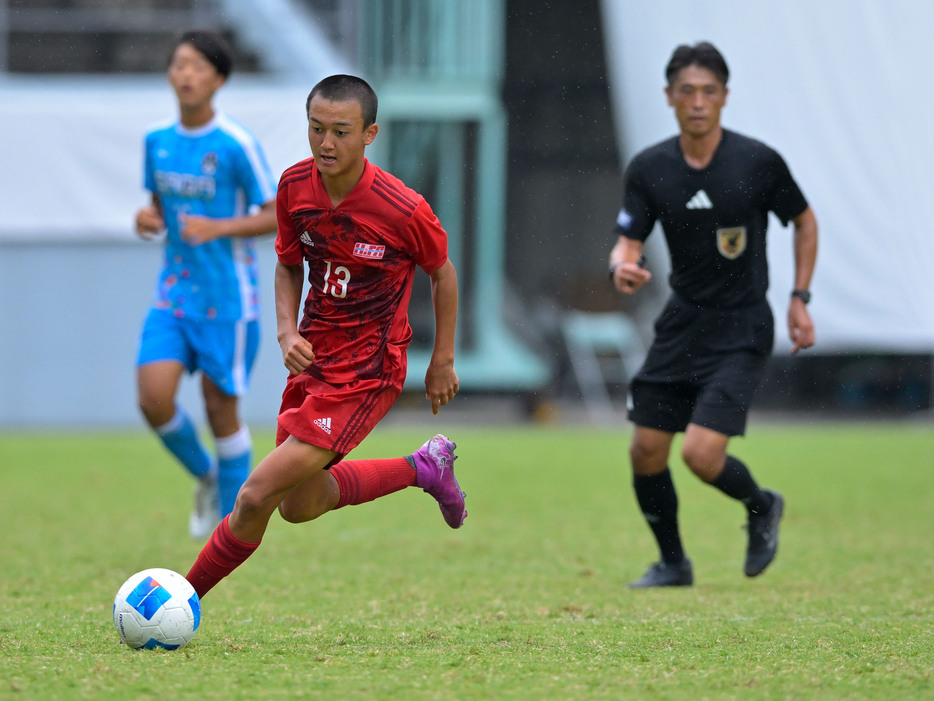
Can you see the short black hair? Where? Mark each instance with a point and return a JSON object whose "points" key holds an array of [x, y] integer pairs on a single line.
{"points": [[340, 87], [212, 45], [703, 54]]}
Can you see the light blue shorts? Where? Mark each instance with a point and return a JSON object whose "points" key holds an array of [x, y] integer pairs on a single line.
{"points": [[224, 351]]}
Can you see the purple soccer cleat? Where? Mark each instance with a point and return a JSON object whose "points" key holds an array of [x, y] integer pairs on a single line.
{"points": [[434, 473]]}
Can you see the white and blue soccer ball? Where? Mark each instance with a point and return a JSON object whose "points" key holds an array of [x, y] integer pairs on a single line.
{"points": [[157, 608]]}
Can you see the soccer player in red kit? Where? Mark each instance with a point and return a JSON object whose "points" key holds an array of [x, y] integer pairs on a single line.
{"points": [[361, 232]]}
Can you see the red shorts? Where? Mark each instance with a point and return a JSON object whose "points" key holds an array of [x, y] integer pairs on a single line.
{"points": [[334, 417]]}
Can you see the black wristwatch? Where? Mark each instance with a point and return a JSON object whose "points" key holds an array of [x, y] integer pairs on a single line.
{"points": [[803, 295]]}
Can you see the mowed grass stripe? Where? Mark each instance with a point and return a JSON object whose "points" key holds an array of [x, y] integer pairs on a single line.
{"points": [[528, 600]]}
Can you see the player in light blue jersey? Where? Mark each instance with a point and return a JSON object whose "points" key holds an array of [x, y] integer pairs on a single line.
{"points": [[212, 192]]}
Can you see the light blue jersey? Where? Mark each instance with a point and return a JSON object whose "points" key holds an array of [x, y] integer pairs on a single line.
{"points": [[219, 171]]}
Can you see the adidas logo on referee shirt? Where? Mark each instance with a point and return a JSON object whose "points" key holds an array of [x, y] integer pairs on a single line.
{"points": [[699, 201], [324, 425]]}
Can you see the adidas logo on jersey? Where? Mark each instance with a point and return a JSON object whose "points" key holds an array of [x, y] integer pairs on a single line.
{"points": [[699, 201], [305, 238], [324, 425]]}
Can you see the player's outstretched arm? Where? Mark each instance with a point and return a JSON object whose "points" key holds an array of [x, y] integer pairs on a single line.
{"points": [[800, 327], [297, 353], [441, 383], [197, 230]]}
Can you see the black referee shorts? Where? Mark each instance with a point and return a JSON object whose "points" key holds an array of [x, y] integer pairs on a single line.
{"points": [[704, 367]]}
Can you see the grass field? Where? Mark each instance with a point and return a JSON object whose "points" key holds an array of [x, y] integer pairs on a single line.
{"points": [[527, 601]]}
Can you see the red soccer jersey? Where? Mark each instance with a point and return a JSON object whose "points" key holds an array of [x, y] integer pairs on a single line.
{"points": [[361, 260]]}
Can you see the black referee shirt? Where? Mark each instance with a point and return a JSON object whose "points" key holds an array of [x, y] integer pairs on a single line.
{"points": [[714, 219]]}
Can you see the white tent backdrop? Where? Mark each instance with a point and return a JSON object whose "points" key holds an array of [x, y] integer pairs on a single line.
{"points": [[837, 87], [73, 147]]}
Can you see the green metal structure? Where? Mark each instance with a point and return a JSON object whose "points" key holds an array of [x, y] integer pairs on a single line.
{"points": [[437, 66]]}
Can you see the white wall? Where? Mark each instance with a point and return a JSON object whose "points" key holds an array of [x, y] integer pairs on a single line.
{"points": [[70, 315], [838, 87]]}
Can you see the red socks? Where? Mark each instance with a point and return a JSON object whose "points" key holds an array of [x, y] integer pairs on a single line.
{"points": [[220, 556], [361, 481]]}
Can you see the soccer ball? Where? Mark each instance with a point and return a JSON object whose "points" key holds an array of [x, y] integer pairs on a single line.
{"points": [[157, 608]]}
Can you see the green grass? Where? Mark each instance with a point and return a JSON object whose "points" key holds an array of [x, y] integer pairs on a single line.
{"points": [[527, 601]]}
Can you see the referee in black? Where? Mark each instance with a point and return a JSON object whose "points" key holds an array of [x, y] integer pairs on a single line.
{"points": [[711, 189]]}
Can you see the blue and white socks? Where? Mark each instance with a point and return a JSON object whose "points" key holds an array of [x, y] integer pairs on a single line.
{"points": [[234, 456], [180, 437], [234, 460]]}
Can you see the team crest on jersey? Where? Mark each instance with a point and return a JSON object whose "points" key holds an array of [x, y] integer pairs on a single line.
{"points": [[369, 250], [209, 163], [731, 242]]}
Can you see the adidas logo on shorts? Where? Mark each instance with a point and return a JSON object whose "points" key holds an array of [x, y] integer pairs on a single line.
{"points": [[324, 425]]}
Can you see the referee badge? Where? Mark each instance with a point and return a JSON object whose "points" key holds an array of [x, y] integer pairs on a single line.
{"points": [[731, 242]]}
